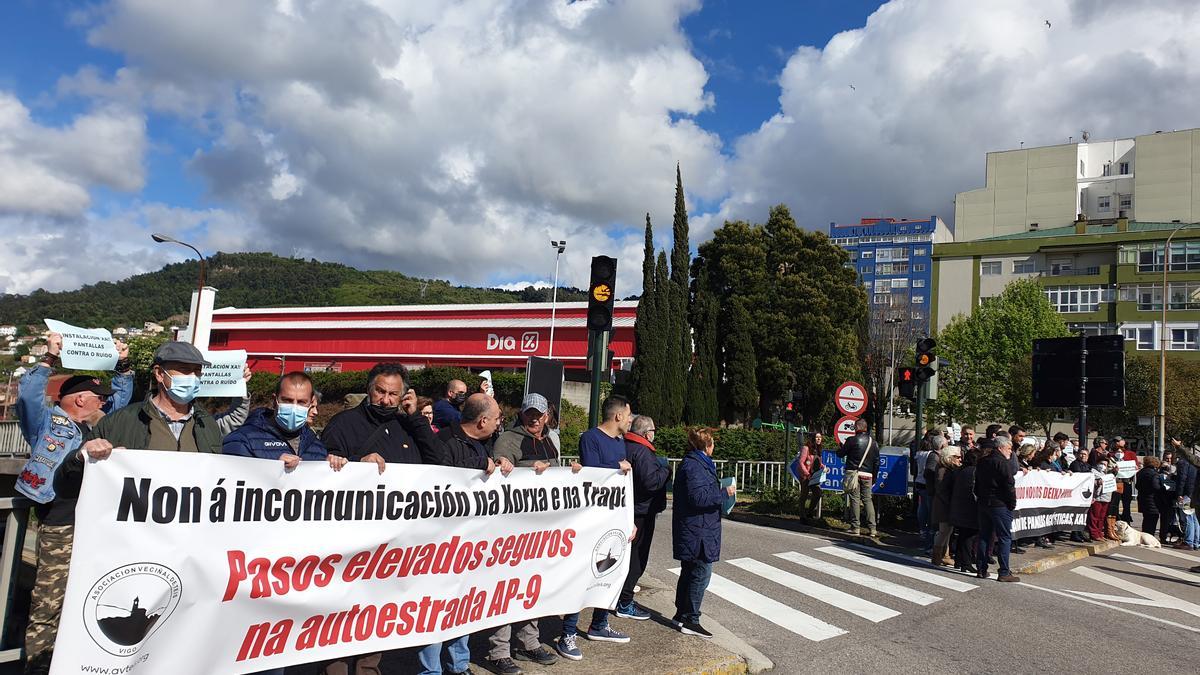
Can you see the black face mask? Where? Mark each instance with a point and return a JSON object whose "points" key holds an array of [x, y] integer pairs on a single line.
{"points": [[458, 399], [382, 411]]}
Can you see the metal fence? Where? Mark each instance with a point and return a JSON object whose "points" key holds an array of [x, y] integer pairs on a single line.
{"points": [[752, 477], [15, 524], [12, 443]]}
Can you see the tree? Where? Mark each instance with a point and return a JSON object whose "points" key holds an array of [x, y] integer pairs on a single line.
{"points": [[679, 334], [878, 337], [975, 385], [700, 406], [650, 336], [741, 364]]}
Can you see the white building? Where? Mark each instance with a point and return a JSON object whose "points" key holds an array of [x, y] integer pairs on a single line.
{"points": [[8, 331], [1149, 178]]}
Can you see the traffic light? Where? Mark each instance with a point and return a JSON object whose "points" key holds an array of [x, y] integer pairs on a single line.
{"points": [[926, 360], [906, 382], [602, 293]]}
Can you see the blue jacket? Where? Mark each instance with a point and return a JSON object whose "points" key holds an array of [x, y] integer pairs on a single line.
{"points": [[696, 513], [445, 414], [53, 436], [598, 449], [261, 437]]}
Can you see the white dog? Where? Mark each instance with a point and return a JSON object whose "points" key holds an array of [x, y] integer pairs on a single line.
{"points": [[1132, 537]]}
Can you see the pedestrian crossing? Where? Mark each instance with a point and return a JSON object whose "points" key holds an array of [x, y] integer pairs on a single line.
{"points": [[897, 577]]}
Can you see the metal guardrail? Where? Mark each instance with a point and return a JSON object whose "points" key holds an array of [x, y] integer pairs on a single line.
{"points": [[751, 476], [16, 522], [12, 443]]}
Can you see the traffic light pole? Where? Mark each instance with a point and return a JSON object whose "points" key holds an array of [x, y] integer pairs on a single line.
{"points": [[920, 412], [597, 349], [1083, 428]]}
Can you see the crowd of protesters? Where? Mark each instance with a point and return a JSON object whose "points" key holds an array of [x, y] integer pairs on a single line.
{"points": [[90, 420]]}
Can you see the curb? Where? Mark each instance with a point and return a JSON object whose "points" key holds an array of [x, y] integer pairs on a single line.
{"points": [[1067, 557], [730, 666]]}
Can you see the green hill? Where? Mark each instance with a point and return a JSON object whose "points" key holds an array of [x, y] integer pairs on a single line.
{"points": [[248, 280]]}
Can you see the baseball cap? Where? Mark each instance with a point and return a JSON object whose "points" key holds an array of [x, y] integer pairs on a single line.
{"points": [[78, 383], [535, 401], [179, 352]]}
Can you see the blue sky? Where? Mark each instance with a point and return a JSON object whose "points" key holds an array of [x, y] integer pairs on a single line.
{"points": [[455, 140]]}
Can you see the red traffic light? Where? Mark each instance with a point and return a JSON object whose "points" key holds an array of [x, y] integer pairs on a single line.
{"points": [[790, 406]]}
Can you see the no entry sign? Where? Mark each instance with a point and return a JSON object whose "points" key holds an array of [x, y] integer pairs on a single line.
{"points": [[851, 398], [844, 429]]}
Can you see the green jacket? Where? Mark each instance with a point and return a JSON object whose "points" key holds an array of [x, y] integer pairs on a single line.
{"points": [[141, 427]]}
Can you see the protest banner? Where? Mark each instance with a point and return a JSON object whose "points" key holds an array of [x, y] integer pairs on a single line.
{"points": [[84, 348], [224, 376], [195, 563], [1048, 501], [1126, 468]]}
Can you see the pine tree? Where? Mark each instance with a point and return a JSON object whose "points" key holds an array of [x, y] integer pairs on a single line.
{"points": [[741, 364], [646, 380], [679, 335], [700, 406]]}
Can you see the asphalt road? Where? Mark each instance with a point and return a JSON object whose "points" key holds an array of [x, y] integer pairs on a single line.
{"points": [[842, 608]]}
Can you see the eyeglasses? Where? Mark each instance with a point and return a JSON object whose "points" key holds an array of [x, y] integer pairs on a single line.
{"points": [[650, 431]]}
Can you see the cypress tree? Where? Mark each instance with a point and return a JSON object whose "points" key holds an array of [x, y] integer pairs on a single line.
{"points": [[700, 406], [741, 364], [645, 380], [679, 334]]}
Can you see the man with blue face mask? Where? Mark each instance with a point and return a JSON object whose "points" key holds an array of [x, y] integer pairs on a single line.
{"points": [[281, 432], [166, 420]]}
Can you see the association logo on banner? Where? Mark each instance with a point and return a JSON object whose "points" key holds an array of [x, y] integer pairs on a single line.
{"points": [[608, 553], [126, 606]]}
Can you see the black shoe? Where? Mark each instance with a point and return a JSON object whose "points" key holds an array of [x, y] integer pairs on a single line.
{"points": [[969, 569], [1043, 544], [1077, 538], [502, 666], [991, 560], [695, 629], [981, 574], [541, 655], [1018, 550]]}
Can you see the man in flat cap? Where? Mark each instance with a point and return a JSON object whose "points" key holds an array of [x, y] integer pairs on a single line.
{"points": [[50, 480]]}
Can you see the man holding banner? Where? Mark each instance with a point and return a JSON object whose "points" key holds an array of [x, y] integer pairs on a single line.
{"points": [[52, 477]]}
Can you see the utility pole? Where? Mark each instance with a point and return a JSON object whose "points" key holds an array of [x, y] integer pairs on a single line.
{"points": [[891, 379]]}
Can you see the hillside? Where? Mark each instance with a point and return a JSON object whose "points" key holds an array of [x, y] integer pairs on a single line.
{"points": [[247, 280]]}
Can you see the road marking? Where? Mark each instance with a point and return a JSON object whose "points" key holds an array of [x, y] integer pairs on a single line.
{"points": [[850, 603], [1165, 601], [776, 612], [855, 577], [1177, 554], [727, 523], [909, 571], [1101, 604], [1188, 577]]}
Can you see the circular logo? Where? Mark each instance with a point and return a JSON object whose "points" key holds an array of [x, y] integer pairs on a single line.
{"points": [[128, 604], [602, 292], [608, 552]]}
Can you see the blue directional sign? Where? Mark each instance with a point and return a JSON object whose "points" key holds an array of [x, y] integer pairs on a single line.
{"points": [[891, 479]]}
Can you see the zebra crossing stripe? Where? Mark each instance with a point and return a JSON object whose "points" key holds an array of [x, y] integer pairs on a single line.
{"points": [[1189, 577], [909, 571], [832, 596], [774, 611], [855, 577], [1178, 554]]}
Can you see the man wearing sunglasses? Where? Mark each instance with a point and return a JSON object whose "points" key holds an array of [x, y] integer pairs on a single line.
{"points": [[50, 481]]}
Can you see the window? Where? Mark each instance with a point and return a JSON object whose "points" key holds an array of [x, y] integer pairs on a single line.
{"points": [[1144, 337], [918, 316], [1024, 267], [853, 256], [866, 269], [867, 254], [918, 283], [1183, 338], [1108, 169], [989, 268], [1185, 256], [1067, 299], [883, 286], [918, 299], [881, 299], [1102, 203], [918, 268], [899, 283], [1124, 168], [884, 268], [920, 251], [1061, 266], [883, 254], [1092, 328], [1081, 173], [1126, 201], [1183, 295]]}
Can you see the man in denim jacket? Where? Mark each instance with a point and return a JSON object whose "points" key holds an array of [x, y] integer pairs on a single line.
{"points": [[50, 480]]}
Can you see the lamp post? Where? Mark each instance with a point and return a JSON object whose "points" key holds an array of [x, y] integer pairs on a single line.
{"points": [[894, 322], [162, 238], [1162, 345], [559, 247]]}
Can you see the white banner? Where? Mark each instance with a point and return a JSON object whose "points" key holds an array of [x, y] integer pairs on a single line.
{"points": [[194, 563], [1048, 501], [85, 348], [1126, 468], [224, 377]]}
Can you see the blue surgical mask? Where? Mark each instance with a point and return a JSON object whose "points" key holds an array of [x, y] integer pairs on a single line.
{"points": [[184, 388], [291, 416]]}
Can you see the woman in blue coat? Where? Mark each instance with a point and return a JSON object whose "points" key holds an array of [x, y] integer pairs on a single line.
{"points": [[696, 528]]}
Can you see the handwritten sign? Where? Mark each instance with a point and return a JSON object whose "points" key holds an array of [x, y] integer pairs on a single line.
{"points": [[85, 348], [224, 377], [1126, 468]]}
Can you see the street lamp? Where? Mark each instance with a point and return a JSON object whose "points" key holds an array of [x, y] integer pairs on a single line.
{"points": [[1162, 345], [162, 238], [894, 322], [559, 247]]}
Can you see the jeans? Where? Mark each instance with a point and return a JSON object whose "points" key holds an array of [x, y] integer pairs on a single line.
{"points": [[689, 592], [430, 656], [1191, 529], [859, 498], [641, 555], [570, 623], [994, 520], [924, 507]]}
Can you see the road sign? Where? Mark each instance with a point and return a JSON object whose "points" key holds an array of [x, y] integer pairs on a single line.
{"points": [[891, 479], [851, 398], [844, 429], [1075, 428]]}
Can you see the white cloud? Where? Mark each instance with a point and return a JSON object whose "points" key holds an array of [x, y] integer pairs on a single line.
{"points": [[938, 83], [522, 285]]}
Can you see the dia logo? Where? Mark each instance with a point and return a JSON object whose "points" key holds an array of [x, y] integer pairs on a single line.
{"points": [[508, 343]]}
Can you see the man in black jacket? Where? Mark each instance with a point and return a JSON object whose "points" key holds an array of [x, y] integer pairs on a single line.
{"points": [[468, 444], [996, 492], [650, 476], [385, 427], [862, 458]]}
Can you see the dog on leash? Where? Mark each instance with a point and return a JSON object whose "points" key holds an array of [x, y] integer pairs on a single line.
{"points": [[1132, 537]]}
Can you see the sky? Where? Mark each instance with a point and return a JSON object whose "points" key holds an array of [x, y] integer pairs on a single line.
{"points": [[454, 140]]}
